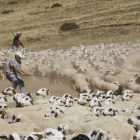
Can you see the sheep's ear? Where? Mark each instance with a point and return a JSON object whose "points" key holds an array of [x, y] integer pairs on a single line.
{"points": [[47, 91], [11, 137], [40, 136], [131, 96], [49, 133]]}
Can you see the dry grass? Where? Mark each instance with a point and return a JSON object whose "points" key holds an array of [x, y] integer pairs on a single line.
{"points": [[107, 21]]}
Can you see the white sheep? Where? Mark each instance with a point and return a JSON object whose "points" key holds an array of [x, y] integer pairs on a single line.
{"points": [[97, 134], [80, 83]]}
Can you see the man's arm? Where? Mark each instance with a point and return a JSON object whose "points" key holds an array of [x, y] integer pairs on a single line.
{"points": [[20, 43], [22, 69], [15, 68]]}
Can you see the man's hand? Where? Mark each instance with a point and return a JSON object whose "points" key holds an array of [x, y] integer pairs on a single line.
{"points": [[23, 74]]}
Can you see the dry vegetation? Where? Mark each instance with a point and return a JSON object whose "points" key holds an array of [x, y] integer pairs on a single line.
{"points": [[107, 21]]}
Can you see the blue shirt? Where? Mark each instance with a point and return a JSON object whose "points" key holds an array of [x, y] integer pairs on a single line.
{"points": [[12, 63]]}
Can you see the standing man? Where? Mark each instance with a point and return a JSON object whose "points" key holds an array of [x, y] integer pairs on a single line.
{"points": [[13, 70], [17, 41]]}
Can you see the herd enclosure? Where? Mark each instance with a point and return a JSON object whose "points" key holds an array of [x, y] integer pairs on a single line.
{"points": [[100, 21]]}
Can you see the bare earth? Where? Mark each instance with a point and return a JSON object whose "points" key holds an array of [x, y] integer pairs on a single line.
{"points": [[32, 86]]}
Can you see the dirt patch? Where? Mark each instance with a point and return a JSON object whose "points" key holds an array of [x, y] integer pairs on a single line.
{"points": [[32, 86]]}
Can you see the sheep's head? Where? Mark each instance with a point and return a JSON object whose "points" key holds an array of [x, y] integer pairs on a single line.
{"points": [[95, 102], [3, 106], [97, 111], [98, 134], [109, 101], [43, 92], [53, 134], [64, 128], [52, 113], [134, 120], [69, 103], [137, 136], [110, 111], [9, 91], [126, 96], [15, 118]]}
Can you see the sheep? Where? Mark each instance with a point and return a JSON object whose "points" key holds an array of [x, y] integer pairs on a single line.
{"points": [[52, 134], [96, 111], [9, 91], [64, 129], [135, 120], [14, 136], [3, 114], [109, 101], [130, 68], [97, 134], [18, 117], [92, 95], [53, 99], [66, 96], [3, 99], [97, 83], [33, 136], [69, 102], [80, 83], [67, 73], [119, 91], [3, 106], [51, 113], [56, 68], [127, 96], [43, 92], [60, 102], [133, 86], [128, 73], [95, 102], [137, 136], [82, 100], [26, 101], [110, 111], [121, 79], [55, 111], [80, 137]]}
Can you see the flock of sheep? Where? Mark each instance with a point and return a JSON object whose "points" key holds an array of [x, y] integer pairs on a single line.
{"points": [[106, 107]]}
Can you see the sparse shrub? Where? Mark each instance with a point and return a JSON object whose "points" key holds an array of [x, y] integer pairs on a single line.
{"points": [[56, 5], [68, 26], [7, 12], [12, 2], [35, 13], [27, 1], [46, 7]]}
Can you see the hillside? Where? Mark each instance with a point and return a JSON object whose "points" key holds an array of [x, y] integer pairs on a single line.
{"points": [[106, 21]]}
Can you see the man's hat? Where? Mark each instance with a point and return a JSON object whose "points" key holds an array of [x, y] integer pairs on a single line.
{"points": [[19, 33], [18, 54]]}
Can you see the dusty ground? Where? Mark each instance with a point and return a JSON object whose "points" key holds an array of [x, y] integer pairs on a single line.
{"points": [[102, 21], [32, 86]]}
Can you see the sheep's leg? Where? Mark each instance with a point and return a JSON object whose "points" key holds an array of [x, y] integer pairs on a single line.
{"points": [[33, 78], [74, 87], [2, 76], [59, 81], [43, 76]]}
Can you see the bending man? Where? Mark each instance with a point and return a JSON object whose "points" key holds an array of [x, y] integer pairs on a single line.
{"points": [[13, 70]]}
